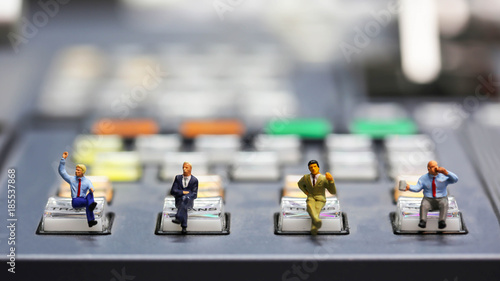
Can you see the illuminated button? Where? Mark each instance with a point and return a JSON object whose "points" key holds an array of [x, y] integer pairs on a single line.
{"points": [[407, 217], [353, 173], [408, 143], [380, 128], [102, 188], [172, 164], [411, 180], [413, 158], [206, 216], [305, 128], [351, 157], [266, 104], [290, 188], [255, 166], [87, 146], [287, 147], [409, 154], [220, 149], [210, 186], [293, 217], [203, 103], [379, 120], [125, 128], [193, 129], [409, 163], [347, 142], [363, 158], [118, 166], [152, 148], [60, 217], [353, 165]]}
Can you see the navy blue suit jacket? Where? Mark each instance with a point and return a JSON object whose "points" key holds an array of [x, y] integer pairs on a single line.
{"points": [[177, 190]]}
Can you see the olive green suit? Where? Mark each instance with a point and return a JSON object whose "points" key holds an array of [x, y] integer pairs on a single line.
{"points": [[316, 194]]}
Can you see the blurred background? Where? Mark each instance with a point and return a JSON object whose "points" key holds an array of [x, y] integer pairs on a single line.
{"points": [[249, 60], [250, 70]]}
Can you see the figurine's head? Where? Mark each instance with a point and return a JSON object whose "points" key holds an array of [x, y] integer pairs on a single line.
{"points": [[432, 167], [313, 166], [186, 169], [80, 170]]}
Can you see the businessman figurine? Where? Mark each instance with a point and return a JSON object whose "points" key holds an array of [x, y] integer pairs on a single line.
{"points": [[80, 185], [185, 190], [314, 185], [434, 184]]}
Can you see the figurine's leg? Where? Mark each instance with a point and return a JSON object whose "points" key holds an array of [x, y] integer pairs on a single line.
{"points": [[182, 211], [78, 202], [88, 210], [311, 209], [443, 208], [319, 206], [425, 206]]}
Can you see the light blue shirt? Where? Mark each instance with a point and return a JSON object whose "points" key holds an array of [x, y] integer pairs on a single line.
{"points": [[442, 181], [73, 181]]}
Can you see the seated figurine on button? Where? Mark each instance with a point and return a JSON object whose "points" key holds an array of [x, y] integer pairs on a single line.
{"points": [[80, 185], [185, 190], [314, 185], [434, 184]]}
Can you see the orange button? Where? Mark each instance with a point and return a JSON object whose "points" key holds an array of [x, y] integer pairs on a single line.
{"points": [[125, 128], [191, 129]]}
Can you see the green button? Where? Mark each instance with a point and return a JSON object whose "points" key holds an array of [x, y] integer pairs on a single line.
{"points": [[378, 129], [305, 128]]}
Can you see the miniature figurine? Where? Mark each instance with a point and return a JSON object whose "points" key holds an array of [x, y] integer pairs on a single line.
{"points": [[80, 185], [434, 184], [314, 185], [185, 190]]}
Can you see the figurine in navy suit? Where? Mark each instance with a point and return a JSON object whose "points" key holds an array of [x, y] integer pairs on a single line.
{"points": [[185, 190]]}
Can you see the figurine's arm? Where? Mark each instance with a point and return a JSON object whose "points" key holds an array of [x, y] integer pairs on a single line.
{"points": [[302, 185], [331, 184], [452, 178], [194, 193], [176, 189], [415, 188], [91, 186], [62, 168]]}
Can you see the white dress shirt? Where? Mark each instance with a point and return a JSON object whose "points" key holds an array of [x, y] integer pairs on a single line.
{"points": [[185, 181], [315, 178]]}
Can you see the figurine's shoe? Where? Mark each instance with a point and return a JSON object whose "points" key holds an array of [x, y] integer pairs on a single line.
{"points": [[314, 230], [316, 222], [422, 224], [92, 223], [184, 230], [176, 221], [441, 224], [92, 206]]}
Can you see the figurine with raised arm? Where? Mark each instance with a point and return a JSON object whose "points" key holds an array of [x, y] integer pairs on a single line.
{"points": [[314, 185], [185, 190], [434, 184], [80, 185]]}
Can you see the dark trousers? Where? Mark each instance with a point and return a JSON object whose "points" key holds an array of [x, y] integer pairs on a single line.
{"points": [[80, 202], [183, 204], [429, 203]]}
